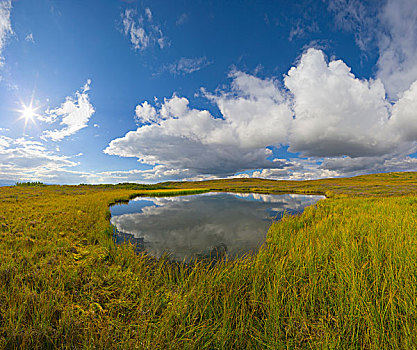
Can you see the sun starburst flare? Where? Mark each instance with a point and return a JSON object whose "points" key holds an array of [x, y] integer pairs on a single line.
{"points": [[28, 113]]}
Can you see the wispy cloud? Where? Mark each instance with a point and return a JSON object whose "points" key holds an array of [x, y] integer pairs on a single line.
{"points": [[187, 65], [73, 115], [5, 24], [301, 29], [29, 38], [24, 159], [181, 19], [142, 30], [148, 14], [356, 17]]}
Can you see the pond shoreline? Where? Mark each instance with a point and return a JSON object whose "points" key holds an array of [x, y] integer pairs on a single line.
{"points": [[202, 225]]}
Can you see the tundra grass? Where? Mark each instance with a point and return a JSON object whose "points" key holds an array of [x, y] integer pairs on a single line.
{"points": [[343, 275]]}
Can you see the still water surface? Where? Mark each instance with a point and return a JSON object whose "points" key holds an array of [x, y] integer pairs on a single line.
{"points": [[209, 225]]}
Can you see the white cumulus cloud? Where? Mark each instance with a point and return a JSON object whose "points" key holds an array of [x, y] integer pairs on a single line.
{"points": [[344, 125], [335, 113], [390, 26], [179, 137], [398, 46], [73, 115]]}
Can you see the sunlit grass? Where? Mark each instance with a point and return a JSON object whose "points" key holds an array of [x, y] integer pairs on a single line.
{"points": [[341, 275]]}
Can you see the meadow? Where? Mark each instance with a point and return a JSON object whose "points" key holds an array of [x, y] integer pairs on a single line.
{"points": [[342, 275]]}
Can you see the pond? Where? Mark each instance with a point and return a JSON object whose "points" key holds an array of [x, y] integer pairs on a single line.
{"points": [[209, 225]]}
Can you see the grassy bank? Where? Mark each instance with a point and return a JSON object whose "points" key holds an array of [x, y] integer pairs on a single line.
{"points": [[392, 184], [341, 275]]}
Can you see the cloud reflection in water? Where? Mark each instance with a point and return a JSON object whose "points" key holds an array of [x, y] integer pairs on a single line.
{"points": [[205, 224]]}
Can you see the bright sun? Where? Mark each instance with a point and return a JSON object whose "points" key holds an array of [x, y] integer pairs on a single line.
{"points": [[28, 113]]}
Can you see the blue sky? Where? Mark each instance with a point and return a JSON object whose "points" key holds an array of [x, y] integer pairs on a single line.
{"points": [[147, 91]]}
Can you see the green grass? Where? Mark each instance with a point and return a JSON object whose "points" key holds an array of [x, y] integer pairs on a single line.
{"points": [[343, 275]]}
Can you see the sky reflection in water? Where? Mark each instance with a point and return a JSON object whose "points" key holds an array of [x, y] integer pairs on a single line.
{"points": [[203, 225]]}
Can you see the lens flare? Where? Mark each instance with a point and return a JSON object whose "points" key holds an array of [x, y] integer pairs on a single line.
{"points": [[28, 113]]}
